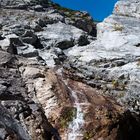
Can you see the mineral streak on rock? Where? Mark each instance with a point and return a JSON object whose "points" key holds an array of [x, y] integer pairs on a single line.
{"points": [[64, 78]]}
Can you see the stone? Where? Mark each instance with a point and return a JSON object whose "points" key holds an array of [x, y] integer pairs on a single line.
{"points": [[87, 26], [30, 38], [41, 22], [22, 6], [19, 4], [38, 8], [5, 58], [44, 3], [83, 40], [60, 33], [65, 44], [10, 43], [1, 38], [27, 51]]}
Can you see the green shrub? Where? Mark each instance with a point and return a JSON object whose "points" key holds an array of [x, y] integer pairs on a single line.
{"points": [[67, 116]]}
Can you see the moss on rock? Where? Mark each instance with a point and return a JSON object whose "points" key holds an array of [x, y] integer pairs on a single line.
{"points": [[67, 115]]}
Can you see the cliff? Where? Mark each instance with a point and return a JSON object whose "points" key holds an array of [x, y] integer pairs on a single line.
{"points": [[62, 77]]}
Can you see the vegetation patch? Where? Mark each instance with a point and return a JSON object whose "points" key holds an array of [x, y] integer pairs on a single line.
{"points": [[118, 27], [67, 116], [119, 84], [88, 135]]}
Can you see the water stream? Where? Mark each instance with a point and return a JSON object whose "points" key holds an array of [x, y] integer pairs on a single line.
{"points": [[75, 127], [78, 122]]}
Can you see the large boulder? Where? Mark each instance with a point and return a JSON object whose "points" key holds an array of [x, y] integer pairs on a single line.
{"points": [[30, 38], [62, 36]]}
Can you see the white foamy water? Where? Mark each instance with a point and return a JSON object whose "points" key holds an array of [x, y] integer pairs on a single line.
{"points": [[74, 129]]}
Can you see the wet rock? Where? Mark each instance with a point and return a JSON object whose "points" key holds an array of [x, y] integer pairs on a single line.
{"points": [[32, 94]]}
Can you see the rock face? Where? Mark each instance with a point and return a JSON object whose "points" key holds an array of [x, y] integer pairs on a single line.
{"points": [[21, 117], [22, 4], [58, 81], [111, 62]]}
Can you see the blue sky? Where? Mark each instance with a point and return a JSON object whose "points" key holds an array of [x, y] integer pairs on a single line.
{"points": [[99, 9]]}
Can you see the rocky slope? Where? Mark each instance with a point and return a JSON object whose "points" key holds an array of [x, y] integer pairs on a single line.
{"points": [[111, 62], [58, 81]]}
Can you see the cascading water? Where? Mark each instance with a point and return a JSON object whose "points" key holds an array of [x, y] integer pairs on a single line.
{"points": [[75, 127], [78, 122]]}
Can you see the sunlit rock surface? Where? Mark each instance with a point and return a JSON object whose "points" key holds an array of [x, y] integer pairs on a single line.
{"points": [[112, 61], [58, 81]]}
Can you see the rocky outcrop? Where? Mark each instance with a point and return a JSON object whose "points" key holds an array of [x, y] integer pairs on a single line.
{"points": [[58, 81], [103, 116], [24, 4], [79, 19], [46, 33], [21, 116], [111, 63]]}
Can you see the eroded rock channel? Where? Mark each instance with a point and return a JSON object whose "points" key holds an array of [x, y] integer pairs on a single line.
{"points": [[63, 77]]}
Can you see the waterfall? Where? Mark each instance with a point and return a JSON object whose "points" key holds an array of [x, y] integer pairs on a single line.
{"points": [[74, 131], [78, 122]]}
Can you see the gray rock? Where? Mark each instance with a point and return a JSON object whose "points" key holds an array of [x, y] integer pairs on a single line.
{"points": [[27, 51], [37, 28], [83, 40], [1, 37], [20, 4], [10, 43], [30, 38], [17, 106], [5, 58], [38, 8], [112, 59], [65, 44], [59, 34], [41, 22]]}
